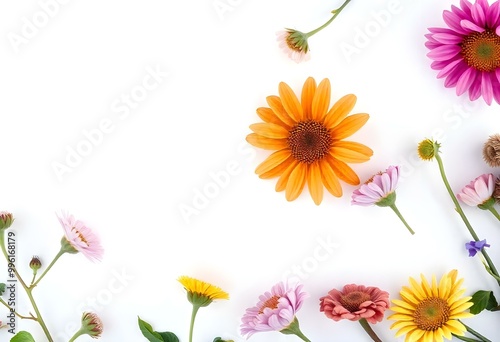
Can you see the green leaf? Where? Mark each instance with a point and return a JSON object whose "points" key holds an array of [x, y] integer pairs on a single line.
{"points": [[154, 336], [22, 336], [483, 300], [2, 288]]}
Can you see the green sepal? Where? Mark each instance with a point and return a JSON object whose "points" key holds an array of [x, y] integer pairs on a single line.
{"points": [[388, 200], [488, 204], [219, 339], [22, 336], [2, 288], [483, 300], [154, 336]]}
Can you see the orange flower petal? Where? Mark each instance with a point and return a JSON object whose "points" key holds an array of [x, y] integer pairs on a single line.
{"points": [[290, 102], [269, 130], [278, 170], [344, 152], [340, 110], [272, 161], [342, 170], [330, 180], [283, 180], [277, 107], [266, 143], [307, 97], [267, 115], [349, 126], [321, 100], [296, 182], [314, 183], [354, 146]]}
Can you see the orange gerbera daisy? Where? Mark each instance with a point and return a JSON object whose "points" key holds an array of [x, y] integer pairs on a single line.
{"points": [[309, 140]]}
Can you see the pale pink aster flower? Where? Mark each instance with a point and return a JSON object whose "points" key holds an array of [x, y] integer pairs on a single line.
{"points": [[479, 191], [467, 53], [378, 189], [294, 44], [355, 302], [275, 310], [80, 237]]}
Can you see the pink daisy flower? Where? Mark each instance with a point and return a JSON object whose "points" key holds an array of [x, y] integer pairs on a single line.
{"points": [[377, 189], [467, 53], [275, 310], [294, 44], [80, 237], [479, 191], [355, 302]]}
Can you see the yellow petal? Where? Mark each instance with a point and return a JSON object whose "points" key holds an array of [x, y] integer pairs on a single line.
{"points": [[340, 110], [296, 182], [330, 180], [415, 335], [321, 100], [266, 143], [308, 91], [455, 327], [342, 170], [290, 102], [283, 180], [267, 115], [277, 107], [272, 161], [278, 170], [349, 126], [403, 304], [269, 130], [314, 183]]}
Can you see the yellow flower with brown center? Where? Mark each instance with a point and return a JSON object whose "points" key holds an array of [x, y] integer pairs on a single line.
{"points": [[429, 312], [308, 139]]}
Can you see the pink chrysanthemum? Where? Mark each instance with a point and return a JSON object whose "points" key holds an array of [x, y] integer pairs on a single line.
{"points": [[467, 53], [479, 191], [80, 237], [275, 310], [355, 302], [294, 44], [377, 188]]}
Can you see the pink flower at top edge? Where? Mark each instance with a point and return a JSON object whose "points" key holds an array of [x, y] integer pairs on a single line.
{"points": [[81, 237], [467, 52], [274, 311], [355, 302], [478, 191], [377, 188]]}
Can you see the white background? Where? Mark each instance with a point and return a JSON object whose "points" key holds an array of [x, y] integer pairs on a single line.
{"points": [[129, 188]]}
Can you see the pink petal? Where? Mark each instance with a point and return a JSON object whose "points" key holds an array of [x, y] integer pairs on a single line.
{"points": [[447, 38], [470, 26], [493, 15], [465, 81], [453, 21], [478, 12], [449, 68], [444, 52], [486, 88]]}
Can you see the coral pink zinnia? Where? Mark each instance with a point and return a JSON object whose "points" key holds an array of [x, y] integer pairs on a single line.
{"points": [[275, 310], [467, 53], [355, 302], [80, 237]]}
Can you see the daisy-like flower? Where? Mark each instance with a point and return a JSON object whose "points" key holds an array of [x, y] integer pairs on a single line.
{"points": [[91, 325], [6, 220], [200, 294], [427, 312], [275, 311], [79, 238], [294, 44], [380, 190], [467, 53], [491, 150], [308, 139], [479, 193]]}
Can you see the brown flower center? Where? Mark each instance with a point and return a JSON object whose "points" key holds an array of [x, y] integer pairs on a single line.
{"points": [[271, 303], [309, 141], [481, 50], [431, 314], [353, 300]]}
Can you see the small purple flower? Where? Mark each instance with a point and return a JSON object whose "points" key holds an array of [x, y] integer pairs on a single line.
{"points": [[476, 246]]}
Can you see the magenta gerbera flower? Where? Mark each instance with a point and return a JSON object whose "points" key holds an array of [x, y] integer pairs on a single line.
{"points": [[467, 53], [275, 310], [80, 237]]}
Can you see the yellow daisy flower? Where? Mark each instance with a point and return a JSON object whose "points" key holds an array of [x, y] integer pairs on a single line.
{"points": [[201, 293], [308, 139], [429, 312]]}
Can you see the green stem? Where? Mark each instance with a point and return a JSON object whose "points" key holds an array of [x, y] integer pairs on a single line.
{"points": [[191, 326], [335, 14], [467, 339], [475, 333], [395, 209], [76, 335], [38, 318], [458, 208], [61, 252], [364, 323], [494, 212], [294, 329], [15, 312]]}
